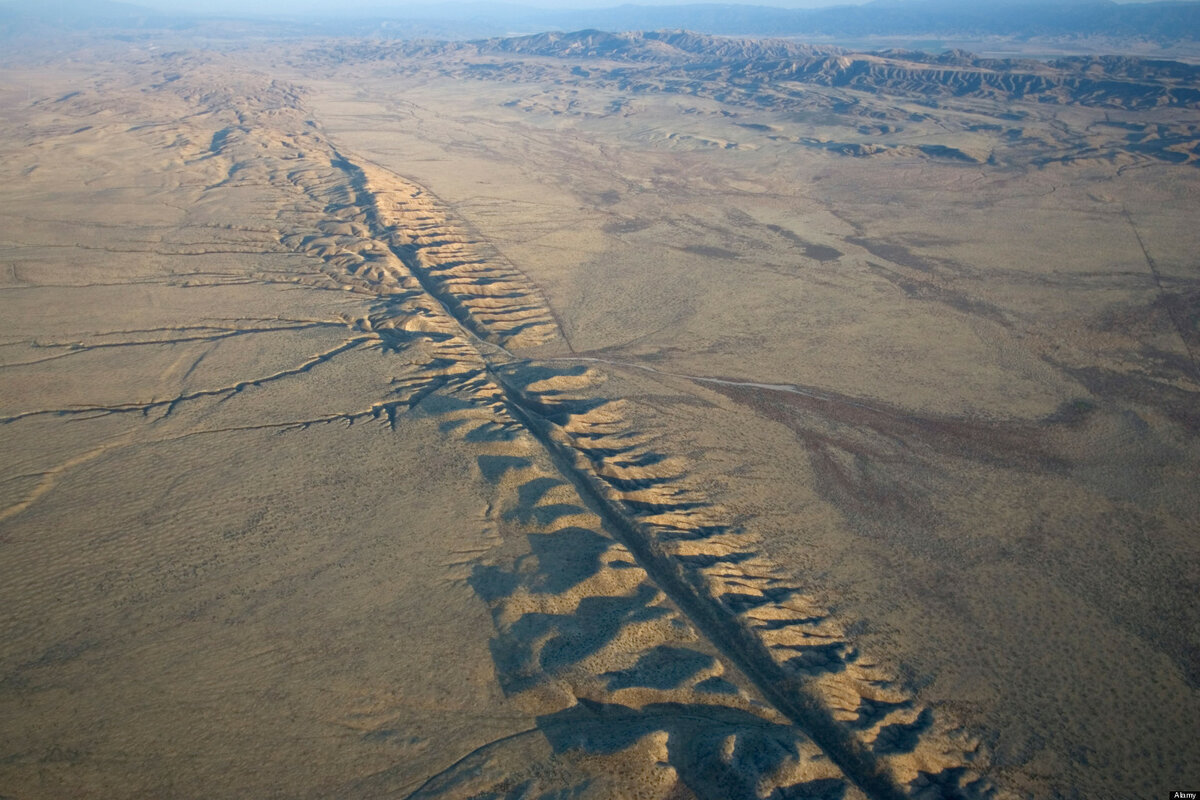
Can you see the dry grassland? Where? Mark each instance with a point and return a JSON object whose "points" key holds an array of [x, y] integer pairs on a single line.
{"points": [[451, 423]]}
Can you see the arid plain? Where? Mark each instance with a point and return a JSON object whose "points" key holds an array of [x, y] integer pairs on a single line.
{"points": [[595, 416]]}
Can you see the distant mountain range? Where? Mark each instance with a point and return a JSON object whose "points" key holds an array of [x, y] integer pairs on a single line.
{"points": [[745, 64], [1160, 21], [936, 17]]}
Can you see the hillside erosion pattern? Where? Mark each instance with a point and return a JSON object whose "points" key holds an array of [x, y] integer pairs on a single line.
{"points": [[662, 654], [645, 607]]}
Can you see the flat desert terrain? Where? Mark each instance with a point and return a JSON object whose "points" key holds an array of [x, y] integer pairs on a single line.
{"points": [[594, 416]]}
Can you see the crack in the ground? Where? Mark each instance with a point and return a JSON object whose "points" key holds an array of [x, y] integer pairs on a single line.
{"points": [[689, 589], [169, 405]]}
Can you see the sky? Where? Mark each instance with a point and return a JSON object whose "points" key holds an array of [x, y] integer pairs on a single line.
{"points": [[312, 6], [342, 6], [355, 7]]}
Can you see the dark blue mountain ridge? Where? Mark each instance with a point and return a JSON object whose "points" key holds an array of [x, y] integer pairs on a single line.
{"points": [[752, 65]]}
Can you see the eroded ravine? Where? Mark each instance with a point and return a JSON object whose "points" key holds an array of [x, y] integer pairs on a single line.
{"points": [[796, 656], [656, 646]]}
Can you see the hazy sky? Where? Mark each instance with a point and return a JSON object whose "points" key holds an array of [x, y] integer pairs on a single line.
{"points": [[335, 7]]}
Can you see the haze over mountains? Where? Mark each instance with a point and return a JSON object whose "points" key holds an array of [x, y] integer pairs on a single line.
{"points": [[1162, 21]]}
